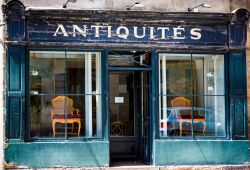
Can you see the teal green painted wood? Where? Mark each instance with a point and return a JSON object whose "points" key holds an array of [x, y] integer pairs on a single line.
{"points": [[75, 154], [238, 94], [15, 69], [14, 117], [105, 96], [190, 152], [15, 88], [153, 105]]}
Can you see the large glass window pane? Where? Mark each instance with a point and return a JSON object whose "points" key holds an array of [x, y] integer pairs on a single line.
{"points": [[65, 94], [191, 104], [75, 68], [209, 74], [178, 107], [209, 116], [175, 73], [40, 117], [47, 72]]}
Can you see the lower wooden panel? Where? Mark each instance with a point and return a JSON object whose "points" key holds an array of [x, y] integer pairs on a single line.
{"points": [[14, 117], [123, 148], [181, 152], [75, 154]]}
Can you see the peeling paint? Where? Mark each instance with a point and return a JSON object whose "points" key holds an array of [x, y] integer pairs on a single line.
{"points": [[5, 145]]}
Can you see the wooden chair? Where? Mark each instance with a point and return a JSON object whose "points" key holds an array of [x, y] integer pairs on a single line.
{"points": [[62, 111], [117, 128], [180, 102], [184, 102]]}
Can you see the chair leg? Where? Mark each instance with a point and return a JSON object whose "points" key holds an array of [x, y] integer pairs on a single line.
{"points": [[79, 128], [72, 127], [180, 128], [204, 128], [54, 128]]}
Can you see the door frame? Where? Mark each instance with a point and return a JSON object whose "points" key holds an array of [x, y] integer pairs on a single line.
{"points": [[152, 90]]}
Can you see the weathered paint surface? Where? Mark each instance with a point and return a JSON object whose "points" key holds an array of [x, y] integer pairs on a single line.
{"points": [[237, 94], [75, 154], [112, 27], [53, 30], [188, 152]]}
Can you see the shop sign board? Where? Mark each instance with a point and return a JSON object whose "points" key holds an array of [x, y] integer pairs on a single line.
{"points": [[59, 31]]}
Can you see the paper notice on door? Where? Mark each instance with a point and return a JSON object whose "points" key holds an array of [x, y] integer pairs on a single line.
{"points": [[119, 99]]}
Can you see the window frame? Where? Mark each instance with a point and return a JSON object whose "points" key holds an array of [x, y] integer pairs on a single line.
{"points": [[103, 61], [226, 96]]}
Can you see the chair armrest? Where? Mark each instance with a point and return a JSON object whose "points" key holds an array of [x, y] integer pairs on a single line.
{"points": [[77, 111], [199, 112], [51, 113]]}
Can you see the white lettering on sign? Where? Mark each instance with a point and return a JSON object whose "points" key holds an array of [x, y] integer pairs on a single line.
{"points": [[163, 31], [179, 33], [63, 31], [122, 34], [196, 33], [97, 29], [109, 31], [136, 32], [82, 32], [150, 32]]}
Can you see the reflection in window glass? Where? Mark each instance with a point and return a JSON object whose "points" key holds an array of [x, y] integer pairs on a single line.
{"points": [[65, 94], [191, 89], [176, 69]]}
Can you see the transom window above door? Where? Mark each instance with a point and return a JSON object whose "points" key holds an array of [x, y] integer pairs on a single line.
{"points": [[129, 59], [191, 95]]}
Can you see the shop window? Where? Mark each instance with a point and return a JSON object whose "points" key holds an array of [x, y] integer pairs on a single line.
{"points": [[191, 95], [65, 94]]}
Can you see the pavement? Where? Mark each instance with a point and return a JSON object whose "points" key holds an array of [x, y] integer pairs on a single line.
{"points": [[145, 167]]}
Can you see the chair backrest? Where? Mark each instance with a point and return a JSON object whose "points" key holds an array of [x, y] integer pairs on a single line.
{"points": [[180, 102], [62, 105], [117, 128]]}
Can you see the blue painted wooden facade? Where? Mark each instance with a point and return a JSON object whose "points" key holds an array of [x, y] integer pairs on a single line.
{"points": [[181, 32]]}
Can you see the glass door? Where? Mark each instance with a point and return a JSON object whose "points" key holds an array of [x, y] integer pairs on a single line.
{"points": [[123, 115], [129, 97]]}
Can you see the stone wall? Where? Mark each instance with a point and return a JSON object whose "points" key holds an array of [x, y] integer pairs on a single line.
{"points": [[2, 86], [149, 5]]}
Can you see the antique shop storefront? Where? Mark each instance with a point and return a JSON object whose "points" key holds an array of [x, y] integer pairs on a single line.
{"points": [[88, 87]]}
